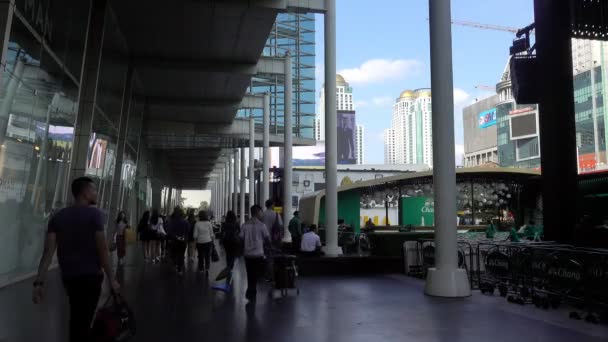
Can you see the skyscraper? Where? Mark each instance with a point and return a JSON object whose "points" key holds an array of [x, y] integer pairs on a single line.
{"points": [[412, 128], [390, 156], [348, 131], [344, 102], [360, 144]]}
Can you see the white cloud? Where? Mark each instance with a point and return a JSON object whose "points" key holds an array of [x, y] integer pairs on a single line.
{"points": [[361, 104], [380, 70], [461, 97], [382, 101], [459, 153]]}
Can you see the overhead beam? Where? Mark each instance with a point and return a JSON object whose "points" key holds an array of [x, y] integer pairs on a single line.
{"points": [[265, 65], [299, 6]]}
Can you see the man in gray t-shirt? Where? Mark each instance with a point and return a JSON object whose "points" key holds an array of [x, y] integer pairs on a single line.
{"points": [[254, 235], [77, 234]]}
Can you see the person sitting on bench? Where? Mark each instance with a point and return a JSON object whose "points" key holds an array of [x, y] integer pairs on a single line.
{"points": [[311, 243]]}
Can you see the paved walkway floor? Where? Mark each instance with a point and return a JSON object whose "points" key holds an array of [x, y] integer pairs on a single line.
{"points": [[332, 309]]}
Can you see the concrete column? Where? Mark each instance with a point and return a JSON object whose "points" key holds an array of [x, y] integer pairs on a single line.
{"points": [[252, 161], [230, 182], [120, 147], [235, 173], [88, 88], [227, 185], [557, 124], [266, 158], [331, 132], [287, 148], [220, 194], [445, 279], [157, 188], [242, 186]]}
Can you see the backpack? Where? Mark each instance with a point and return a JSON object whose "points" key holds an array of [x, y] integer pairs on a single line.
{"points": [[276, 231]]}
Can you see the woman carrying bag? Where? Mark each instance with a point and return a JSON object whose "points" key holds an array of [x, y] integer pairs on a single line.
{"points": [[203, 235]]}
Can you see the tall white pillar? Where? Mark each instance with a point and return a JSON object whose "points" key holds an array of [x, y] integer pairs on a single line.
{"points": [[445, 279], [242, 186], [230, 182], [266, 158], [227, 186], [252, 161], [235, 182], [287, 148], [331, 131]]}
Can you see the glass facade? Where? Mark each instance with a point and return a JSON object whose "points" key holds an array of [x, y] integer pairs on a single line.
{"points": [[38, 105], [585, 93], [294, 33], [38, 110]]}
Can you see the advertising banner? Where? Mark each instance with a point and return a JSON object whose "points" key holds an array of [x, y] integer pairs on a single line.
{"points": [[487, 118], [346, 137], [417, 211]]}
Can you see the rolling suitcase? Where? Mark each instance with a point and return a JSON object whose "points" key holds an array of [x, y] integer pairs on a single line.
{"points": [[285, 274]]}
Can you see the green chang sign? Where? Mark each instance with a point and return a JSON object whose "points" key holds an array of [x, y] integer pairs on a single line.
{"points": [[417, 211]]}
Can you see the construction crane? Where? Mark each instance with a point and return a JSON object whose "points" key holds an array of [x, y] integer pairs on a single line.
{"points": [[486, 26]]}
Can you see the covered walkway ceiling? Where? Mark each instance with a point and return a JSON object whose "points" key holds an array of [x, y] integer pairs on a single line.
{"points": [[195, 60]]}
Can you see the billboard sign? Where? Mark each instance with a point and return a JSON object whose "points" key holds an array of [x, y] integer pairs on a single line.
{"points": [[347, 129], [487, 118]]}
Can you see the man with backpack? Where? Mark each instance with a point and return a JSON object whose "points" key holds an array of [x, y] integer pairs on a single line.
{"points": [[274, 223]]}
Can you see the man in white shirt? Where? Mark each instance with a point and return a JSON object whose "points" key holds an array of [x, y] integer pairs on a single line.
{"points": [[311, 243], [254, 235]]}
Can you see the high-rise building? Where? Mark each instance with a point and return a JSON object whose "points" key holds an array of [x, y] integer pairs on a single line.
{"points": [[360, 144], [344, 102], [479, 120], [412, 126], [348, 151], [518, 132], [590, 60], [390, 156]]}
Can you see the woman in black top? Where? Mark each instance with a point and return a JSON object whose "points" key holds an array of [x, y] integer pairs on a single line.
{"points": [[191, 242], [230, 238], [143, 231]]}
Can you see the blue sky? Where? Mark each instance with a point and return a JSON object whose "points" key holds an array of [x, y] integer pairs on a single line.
{"points": [[384, 49]]}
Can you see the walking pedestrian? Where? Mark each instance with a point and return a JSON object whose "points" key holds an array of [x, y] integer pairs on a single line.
{"points": [[254, 235], [230, 238], [203, 235], [157, 226], [77, 233], [121, 240], [274, 224], [143, 231], [179, 233], [191, 240]]}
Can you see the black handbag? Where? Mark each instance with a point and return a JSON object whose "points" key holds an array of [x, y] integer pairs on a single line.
{"points": [[114, 321]]}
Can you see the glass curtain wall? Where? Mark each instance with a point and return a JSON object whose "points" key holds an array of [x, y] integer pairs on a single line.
{"points": [[294, 33], [38, 105]]}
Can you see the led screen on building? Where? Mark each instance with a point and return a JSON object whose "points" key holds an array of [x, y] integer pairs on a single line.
{"points": [[523, 126]]}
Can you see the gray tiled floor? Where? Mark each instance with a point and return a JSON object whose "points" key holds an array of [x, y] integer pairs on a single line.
{"points": [[336, 309]]}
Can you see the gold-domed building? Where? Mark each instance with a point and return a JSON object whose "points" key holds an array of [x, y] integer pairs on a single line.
{"points": [[411, 131]]}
